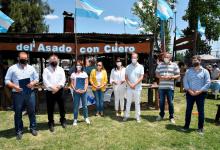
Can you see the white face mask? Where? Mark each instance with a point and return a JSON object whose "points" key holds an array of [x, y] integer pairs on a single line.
{"points": [[166, 60], [78, 68], [118, 64], [134, 61]]}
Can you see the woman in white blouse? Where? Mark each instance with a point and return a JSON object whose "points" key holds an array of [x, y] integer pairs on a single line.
{"points": [[117, 79]]}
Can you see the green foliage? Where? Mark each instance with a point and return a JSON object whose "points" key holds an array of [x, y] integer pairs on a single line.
{"points": [[145, 10], [29, 16], [209, 12]]}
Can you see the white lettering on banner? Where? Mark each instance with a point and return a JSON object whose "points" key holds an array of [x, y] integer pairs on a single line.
{"points": [[26, 47], [118, 49], [89, 50], [44, 48]]}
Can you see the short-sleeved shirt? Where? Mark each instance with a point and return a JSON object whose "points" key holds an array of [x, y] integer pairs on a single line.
{"points": [[170, 69], [74, 76], [215, 74], [134, 72]]}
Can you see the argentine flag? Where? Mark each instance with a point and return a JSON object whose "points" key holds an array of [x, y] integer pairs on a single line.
{"points": [[130, 22], [85, 9], [201, 29], [164, 12], [5, 22]]}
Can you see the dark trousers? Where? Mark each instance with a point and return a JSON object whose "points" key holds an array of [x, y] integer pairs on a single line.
{"points": [[163, 93], [21, 101], [190, 100], [51, 101], [217, 114]]}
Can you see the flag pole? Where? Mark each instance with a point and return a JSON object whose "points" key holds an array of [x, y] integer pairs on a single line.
{"points": [[126, 54], [75, 33]]}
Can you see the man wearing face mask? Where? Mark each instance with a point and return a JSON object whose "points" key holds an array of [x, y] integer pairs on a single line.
{"points": [[134, 74], [167, 72], [54, 80], [196, 85], [22, 78]]}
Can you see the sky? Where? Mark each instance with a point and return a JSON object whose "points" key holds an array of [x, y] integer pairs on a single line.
{"points": [[110, 20]]}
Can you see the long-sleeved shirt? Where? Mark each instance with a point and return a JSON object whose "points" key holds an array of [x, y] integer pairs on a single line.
{"points": [[118, 76], [53, 77], [197, 80], [16, 73]]}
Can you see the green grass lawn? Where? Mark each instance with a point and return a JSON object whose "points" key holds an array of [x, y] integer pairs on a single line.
{"points": [[110, 133]]}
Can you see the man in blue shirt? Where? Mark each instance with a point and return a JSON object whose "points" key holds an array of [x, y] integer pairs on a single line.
{"points": [[196, 84], [22, 77]]}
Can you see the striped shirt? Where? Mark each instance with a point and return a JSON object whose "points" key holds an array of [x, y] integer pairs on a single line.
{"points": [[197, 80], [170, 69]]}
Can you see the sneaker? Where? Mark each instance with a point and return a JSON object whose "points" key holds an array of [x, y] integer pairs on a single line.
{"points": [[172, 121], [87, 121], [200, 131], [159, 118], [184, 129], [117, 114], [125, 119], [75, 122], [63, 125], [19, 136], [138, 120], [34, 132], [102, 114], [51, 128], [97, 114], [122, 113]]}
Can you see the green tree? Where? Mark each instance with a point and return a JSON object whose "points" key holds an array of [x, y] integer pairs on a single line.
{"points": [[145, 10], [209, 12], [29, 16]]}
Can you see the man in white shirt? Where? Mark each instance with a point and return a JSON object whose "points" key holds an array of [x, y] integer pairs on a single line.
{"points": [[215, 72], [54, 80], [134, 74]]}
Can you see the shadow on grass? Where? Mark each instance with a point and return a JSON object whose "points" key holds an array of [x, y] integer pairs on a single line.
{"points": [[210, 120], [10, 133], [149, 118], [178, 128]]}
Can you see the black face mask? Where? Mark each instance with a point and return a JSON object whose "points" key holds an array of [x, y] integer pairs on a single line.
{"points": [[23, 61], [53, 63], [195, 64]]}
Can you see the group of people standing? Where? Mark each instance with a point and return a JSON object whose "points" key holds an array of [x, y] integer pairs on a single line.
{"points": [[126, 82]]}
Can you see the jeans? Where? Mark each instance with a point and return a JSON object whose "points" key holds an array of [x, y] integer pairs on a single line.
{"points": [[163, 93], [21, 100], [99, 97], [76, 102], [133, 95], [190, 100], [51, 100]]}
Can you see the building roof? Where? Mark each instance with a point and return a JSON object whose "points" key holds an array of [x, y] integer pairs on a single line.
{"points": [[70, 37]]}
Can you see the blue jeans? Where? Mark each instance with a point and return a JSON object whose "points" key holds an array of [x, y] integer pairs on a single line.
{"points": [[76, 101], [99, 97], [163, 93], [20, 101], [190, 100]]}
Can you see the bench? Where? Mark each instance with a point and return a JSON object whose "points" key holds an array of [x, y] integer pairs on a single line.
{"points": [[218, 113]]}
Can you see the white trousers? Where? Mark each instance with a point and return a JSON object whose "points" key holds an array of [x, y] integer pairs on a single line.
{"points": [[133, 95], [119, 93]]}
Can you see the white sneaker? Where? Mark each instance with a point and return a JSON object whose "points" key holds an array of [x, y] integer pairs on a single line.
{"points": [[172, 121], [75, 122], [138, 120], [159, 118], [125, 119], [87, 121]]}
